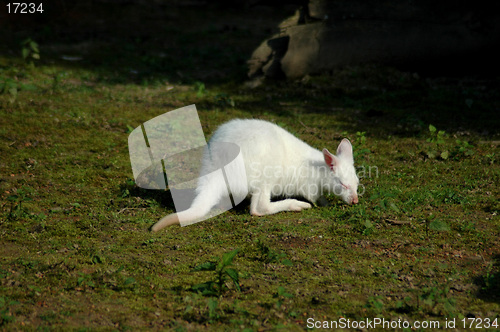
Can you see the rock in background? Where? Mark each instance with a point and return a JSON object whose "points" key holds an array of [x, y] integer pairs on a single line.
{"points": [[324, 35]]}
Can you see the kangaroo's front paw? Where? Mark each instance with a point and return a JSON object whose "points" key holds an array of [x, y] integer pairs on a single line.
{"points": [[299, 205]]}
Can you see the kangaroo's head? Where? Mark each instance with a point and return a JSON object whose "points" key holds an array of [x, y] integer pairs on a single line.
{"points": [[344, 182]]}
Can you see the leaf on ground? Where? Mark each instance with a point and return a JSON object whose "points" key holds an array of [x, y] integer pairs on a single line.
{"points": [[227, 258], [207, 266]]}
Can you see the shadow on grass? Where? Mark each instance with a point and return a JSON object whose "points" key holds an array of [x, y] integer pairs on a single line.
{"points": [[384, 101], [165, 200], [490, 283]]}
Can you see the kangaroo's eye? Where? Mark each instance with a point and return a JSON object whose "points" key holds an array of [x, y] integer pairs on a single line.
{"points": [[344, 186]]}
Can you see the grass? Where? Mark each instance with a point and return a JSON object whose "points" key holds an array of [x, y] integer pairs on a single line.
{"points": [[423, 244]]}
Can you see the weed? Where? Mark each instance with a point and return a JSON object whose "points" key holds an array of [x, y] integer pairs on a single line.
{"points": [[30, 50], [467, 227], [491, 279], [223, 272], [491, 158], [359, 146], [223, 100], [85, 280], [436, 136], [281, 295], [268, 255], [98, 259], [10, 87], [5, 310], [200, 89], [375, 304], [127, 187], [404, 305], [385, 201], [217, 286], [434, 224], [462, 150], [212, 308], [437, 300], [16, 202], [439, 148], [438, 225], [367, 227], [437, 140], [448, 196]]}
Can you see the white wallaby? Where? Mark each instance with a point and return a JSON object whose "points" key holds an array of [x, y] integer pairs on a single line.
{"points": [[277, 164]]}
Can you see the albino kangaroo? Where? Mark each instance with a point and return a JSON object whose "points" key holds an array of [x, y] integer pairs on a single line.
{"points": [[277, 164]]}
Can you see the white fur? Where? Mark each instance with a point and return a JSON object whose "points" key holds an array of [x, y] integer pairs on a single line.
{"points": [[277, 164]]}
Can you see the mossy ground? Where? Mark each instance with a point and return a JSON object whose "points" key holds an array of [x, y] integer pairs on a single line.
{"points": [[76, 253]]}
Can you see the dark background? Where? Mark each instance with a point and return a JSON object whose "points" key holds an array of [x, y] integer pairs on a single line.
{"points": [[187, 42], [214, 39]]}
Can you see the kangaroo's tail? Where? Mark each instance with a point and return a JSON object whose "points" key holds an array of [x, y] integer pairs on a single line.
{"points": [[171, 219], [187, 216], [209, 193]]}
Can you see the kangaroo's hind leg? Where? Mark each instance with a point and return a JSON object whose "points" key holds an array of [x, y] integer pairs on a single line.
{"points": [[261, 205], [210, 191]]}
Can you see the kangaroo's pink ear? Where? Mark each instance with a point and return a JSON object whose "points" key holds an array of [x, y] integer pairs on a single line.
{"points": [[345, 149], [330, 159]]}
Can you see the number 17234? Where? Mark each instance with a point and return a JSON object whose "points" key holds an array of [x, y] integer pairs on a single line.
{"points": [[24, 8], [480, 323]]}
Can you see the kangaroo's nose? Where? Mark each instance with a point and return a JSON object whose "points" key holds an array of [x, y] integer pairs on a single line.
{"points": [[355, 200]]}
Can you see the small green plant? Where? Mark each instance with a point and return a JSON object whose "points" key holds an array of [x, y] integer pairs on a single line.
{"points": [[268, 255], [5, 315], [462, 150], [375, 304], [437, 139], [127, 187], [223, 273], [10, 87], [212, 308], [436, 225], [281, 295], [448, 196], [439, 225], [491, 279], [437, 299], [85, 280], [385, 201], [98, 259], [223, 100], [30, 50], [196, 307], [360, 148], [436, 136], [16, 202], [200, 89], [491, 158], [367, 227], [404, 305]]}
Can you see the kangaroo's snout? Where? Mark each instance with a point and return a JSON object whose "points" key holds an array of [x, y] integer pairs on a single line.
{"points": [[354, 199]]}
